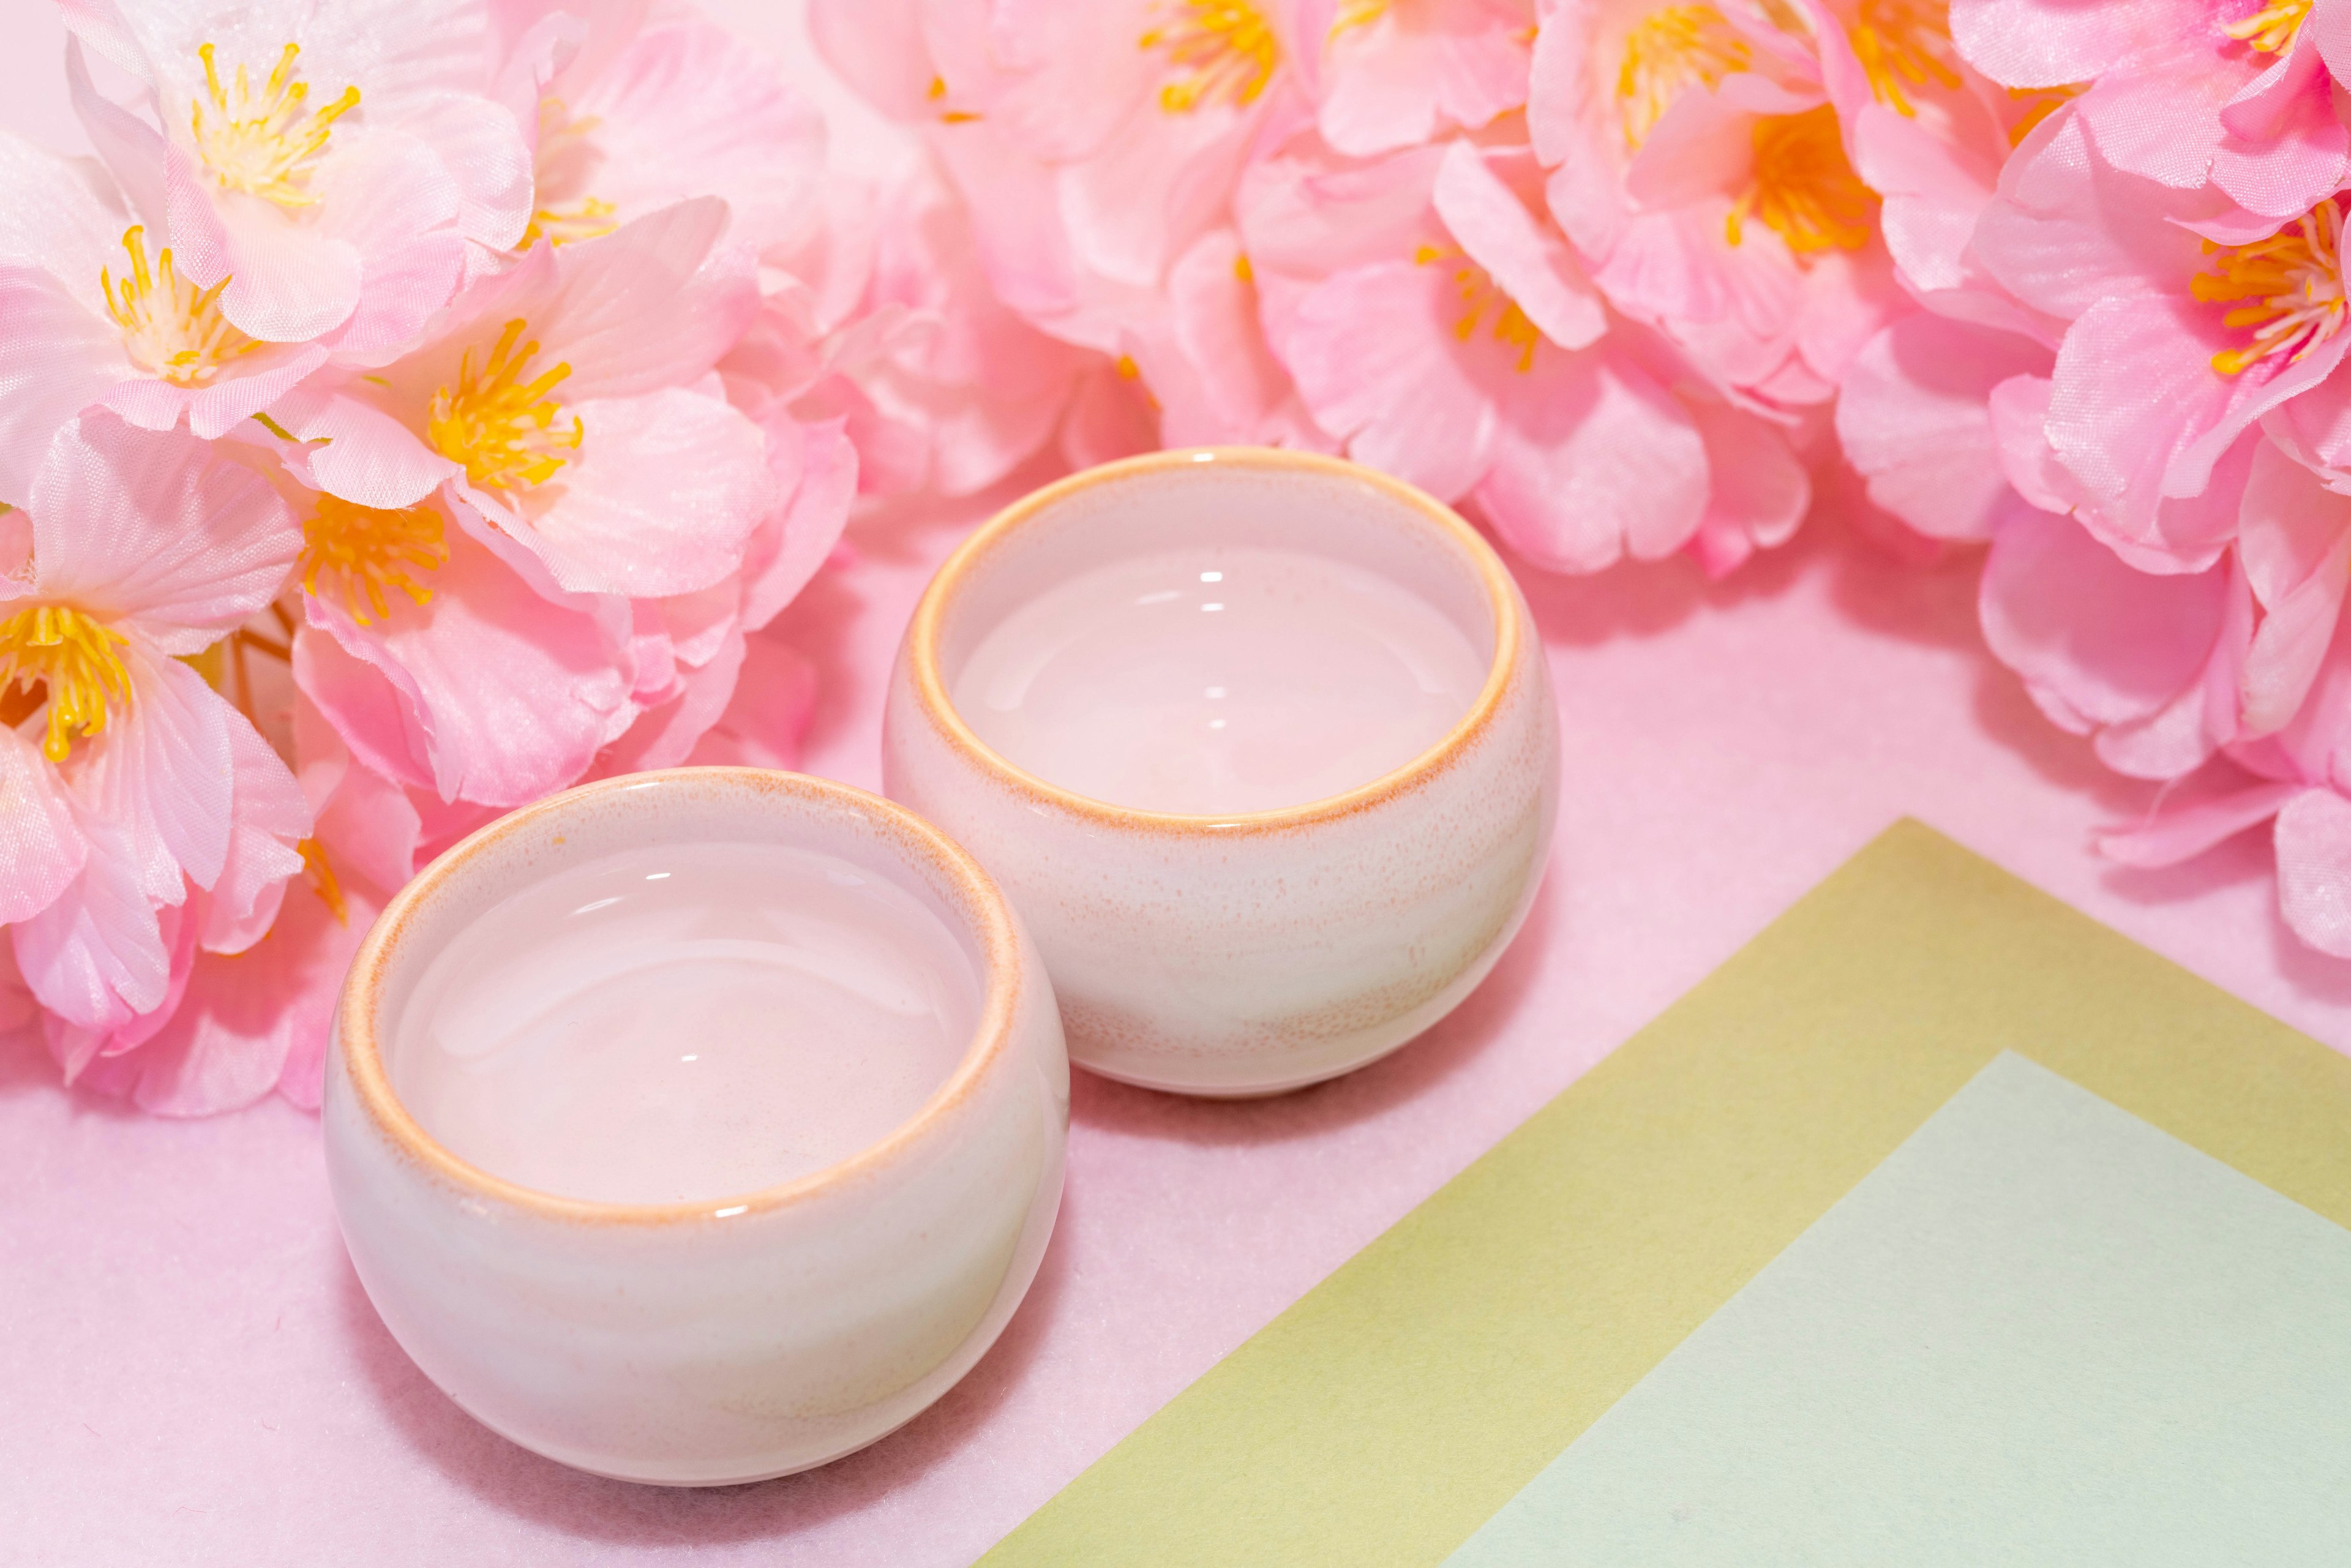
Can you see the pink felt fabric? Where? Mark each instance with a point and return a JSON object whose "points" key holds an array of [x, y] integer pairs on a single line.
{"points": [[189, 1372]]}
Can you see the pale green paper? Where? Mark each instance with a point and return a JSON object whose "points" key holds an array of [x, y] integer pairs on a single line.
{"points": [[2040, 1331], [1391, 1411]]}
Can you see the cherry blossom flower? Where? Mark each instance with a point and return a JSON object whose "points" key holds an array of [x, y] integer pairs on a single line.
{"points": [[135, 781], [2172, 346], [560, 402], [328, 169], [1437, 322], [97, 313], [1399, 72], [1702, 174], [634, 112]]}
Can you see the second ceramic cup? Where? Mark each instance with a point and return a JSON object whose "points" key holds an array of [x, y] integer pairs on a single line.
{"points": [[1136, 695]]}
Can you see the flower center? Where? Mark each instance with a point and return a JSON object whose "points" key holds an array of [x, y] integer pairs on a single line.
{"points": [[2291, 285], [263, 142], [1475, 286], [363, 551], [501, 428], [171, 328], [1802, 188], [1224, 49], [1667, 51], [74, 658], [323, 880], [566, 159], [1904, 45], [2272, 29]]}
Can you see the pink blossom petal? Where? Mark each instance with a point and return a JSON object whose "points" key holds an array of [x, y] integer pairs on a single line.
{"points": [[1391, 81], [150, 529], [41, 849], [2176, 834], [364, 707], [507, 696], [815, 469], [268, 818], [1758, 492], [2112, 644], [2295, 539], [687, 109], [665, 490], [287, 283], [1592, 461], [2018, 409], [61, 358], [2048, 43], [2314, 856], [1373, 353], [163, 773], [648, 306], [356, 450], [131, 149], [1915, 420], [95, 956], [1531, 263], [775, 693]]}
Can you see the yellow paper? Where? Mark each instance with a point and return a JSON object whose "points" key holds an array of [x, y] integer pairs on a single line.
{"points": [[1399, 1404]]}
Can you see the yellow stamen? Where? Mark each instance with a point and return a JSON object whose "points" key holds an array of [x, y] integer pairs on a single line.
{"points": [[1904, 45], [2294, 281], [1225, 49], [500, 427], [2272, 29], [1803, 188], [1665, 52], [1243, 270], [1476, 289], [74, 658], [363, 551], [2040, 104], [564, 160], [1357, 14], [171, 329], [322, 879], [263, 142]]}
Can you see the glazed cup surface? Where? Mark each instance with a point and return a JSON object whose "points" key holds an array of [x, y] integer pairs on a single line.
{"points": [[737, 1338], [1254, 951]]}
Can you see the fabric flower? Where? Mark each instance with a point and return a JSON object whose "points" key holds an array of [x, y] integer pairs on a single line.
{"points": [[560, 402], [328, 169], [133, 780], [633, 112], [1437, 323], [1700, 172], [97, 312]]}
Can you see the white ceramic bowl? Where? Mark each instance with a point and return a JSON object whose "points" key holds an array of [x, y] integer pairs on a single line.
{"points": [[702, 1343], [1257, 952]]}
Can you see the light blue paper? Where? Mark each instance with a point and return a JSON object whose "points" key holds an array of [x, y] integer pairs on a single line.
{"points": [[2042, 1332]]}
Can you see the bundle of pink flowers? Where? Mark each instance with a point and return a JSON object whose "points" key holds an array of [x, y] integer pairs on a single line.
{"points": [[414, 409], [417, 408], [2065, 276]]}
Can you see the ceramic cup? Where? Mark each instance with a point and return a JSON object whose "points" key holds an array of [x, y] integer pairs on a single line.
{"points": [[734, 1339], [1244, 953]]}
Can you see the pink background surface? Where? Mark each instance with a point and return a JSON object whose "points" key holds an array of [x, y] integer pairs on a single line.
{"points": [[188, 1371]]}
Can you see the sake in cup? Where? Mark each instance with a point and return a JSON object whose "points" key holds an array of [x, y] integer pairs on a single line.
{"points": [[700, 1126], [1260, 744]]}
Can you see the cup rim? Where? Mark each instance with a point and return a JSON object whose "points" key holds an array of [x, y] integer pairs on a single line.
{"points": [[988, 913], [930, 689]]}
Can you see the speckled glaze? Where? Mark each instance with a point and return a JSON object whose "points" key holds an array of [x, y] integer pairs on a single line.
{"points": [[703, 1344], [1252, 953]]}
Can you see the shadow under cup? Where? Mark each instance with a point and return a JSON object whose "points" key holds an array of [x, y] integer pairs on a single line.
{"points": [[1250, 943], [723, 1338]]}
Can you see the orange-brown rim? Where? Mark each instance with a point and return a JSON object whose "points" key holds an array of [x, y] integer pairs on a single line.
{"points": [[371, 1085], [930, 689]]}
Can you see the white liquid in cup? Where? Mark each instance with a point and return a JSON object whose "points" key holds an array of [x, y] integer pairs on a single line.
{"points": [[1219, 679], [684, 1021]]}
